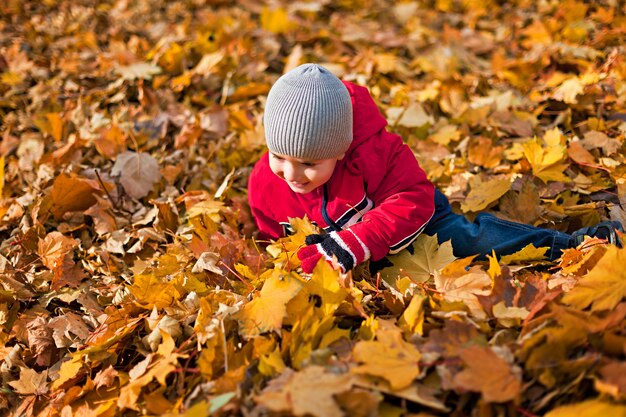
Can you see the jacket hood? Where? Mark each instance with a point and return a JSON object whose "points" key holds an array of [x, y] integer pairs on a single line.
{"points": [[367, 119]]}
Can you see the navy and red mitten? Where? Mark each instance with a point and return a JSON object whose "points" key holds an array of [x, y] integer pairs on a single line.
{"points": [[344, 246]]}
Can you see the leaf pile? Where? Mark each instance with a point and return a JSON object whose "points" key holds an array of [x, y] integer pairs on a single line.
{"points": [[131, 283]]}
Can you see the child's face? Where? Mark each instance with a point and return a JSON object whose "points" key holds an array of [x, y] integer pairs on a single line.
{"points": [[302, 176]]}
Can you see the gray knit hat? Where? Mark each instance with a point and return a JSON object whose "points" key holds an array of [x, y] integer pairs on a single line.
{"points": [[308, 114]]}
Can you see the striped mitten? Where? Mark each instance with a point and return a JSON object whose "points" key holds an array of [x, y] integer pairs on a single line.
{"points": [[345, 246]]}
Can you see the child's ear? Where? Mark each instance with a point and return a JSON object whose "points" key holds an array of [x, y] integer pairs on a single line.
{"points": [[340, 157]]}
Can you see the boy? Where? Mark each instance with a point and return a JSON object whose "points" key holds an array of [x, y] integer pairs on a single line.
{"points": [[331, 158]]}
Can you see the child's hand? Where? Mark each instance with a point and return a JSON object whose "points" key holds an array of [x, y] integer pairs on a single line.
{"points": [[344, 247]]}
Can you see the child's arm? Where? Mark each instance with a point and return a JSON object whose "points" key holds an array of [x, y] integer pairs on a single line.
{"points": [[402, 194]]}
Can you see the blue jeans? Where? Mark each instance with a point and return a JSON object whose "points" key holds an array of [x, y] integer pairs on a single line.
{"points": [[488, 233]]}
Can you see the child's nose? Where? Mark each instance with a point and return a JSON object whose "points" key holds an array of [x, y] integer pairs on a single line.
{"points": [[291, 172]]}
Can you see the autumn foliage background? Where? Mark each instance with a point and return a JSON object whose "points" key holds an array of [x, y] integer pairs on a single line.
{"points": [[131, 283]]}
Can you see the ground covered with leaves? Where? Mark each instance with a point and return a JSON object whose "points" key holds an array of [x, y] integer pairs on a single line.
{"points": [[131, 282]]}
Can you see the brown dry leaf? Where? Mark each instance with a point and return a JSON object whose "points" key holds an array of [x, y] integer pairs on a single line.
{"points": [[452, 337], [482, 152], [310, 392], [612, 380], [102, 215], [31, 382], [595, 139], [40, 341], [105, 377], [465, 288], [68, 330], [604, 286], [53, 248], [486, 372], [137, 172], [522, 207]]}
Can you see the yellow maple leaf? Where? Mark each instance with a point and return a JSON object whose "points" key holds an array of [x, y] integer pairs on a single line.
{"points": [[325, 283], [265, 313], [427, 257], [69, 370], [527, 254], [547, 157], [153, 291], [390, 358], [590, 408], [604, 286], [484, 193], [285, 250]]}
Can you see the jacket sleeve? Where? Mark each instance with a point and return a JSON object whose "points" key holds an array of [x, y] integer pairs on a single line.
{"points": [[269, 227], [402, 194]]}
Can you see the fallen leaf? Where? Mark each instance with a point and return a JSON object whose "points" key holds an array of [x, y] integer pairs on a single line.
{"points": [[53, 248], [486, 372], [31, 382], [40, 341], [138, 172], [72, 193], [612, 380], [528, 253], [390, 358], [484, 193], [310, 392], [465, 288], [589, 408], [547, 157], [604, 286], [265, 313], [139, 70], [427, 257]]}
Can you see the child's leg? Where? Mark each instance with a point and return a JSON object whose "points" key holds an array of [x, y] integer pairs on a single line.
{"points": [[488, 233]]}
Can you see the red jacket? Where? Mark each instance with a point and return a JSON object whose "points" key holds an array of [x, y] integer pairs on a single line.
{"points": [[378, 190]]}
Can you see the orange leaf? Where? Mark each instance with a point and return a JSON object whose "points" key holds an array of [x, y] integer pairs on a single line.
{"points": [[53, 248], [72, 193], [604, 286], [488, 374]]}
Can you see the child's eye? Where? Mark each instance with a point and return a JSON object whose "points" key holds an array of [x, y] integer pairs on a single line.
{"points": [[276, 157], [309, 164]]}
